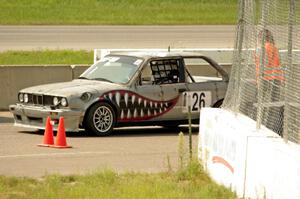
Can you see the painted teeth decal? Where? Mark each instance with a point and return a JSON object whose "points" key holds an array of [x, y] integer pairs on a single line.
{"points": [[135, 113], [133, 107], [118, 96], [122, 114], [128, 114], [126, 98]]}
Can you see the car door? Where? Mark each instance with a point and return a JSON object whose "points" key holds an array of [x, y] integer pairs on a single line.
{"points": [[160, 87], [149, 99], [169, 74]]}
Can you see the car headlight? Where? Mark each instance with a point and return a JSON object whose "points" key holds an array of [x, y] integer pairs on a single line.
{"points": [[86, 96], [21, 97], [25, 98], [64, 102], [55, 101]]}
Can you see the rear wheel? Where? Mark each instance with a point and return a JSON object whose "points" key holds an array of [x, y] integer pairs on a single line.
{"points": [[171, 125], [218, 104], [100, 119]]}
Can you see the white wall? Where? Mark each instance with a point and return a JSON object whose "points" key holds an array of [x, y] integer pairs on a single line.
{"points": [[252, 163]]}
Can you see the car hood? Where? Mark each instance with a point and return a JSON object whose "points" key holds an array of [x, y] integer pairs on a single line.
{"points": [[75, 87]]}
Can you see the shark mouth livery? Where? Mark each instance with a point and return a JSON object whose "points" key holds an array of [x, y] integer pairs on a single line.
{"points": [[134, 107]]}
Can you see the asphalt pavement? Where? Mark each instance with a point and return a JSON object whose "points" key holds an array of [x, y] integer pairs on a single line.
{"points": [[91, 37], [129, 149]]}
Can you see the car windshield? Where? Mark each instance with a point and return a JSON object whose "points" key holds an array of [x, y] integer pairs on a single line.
{"points": [[117, 69]]}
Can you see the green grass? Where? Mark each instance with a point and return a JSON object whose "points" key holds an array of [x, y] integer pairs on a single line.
{"points": [[189, 183], [116, 12], [46, 57]]}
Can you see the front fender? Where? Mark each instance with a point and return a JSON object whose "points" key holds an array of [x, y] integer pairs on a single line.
{"points": [[102, 99]]}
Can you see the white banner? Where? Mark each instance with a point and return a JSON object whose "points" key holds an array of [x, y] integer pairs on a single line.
{"points": [[223, 149], [273, 169], [254, 164]]}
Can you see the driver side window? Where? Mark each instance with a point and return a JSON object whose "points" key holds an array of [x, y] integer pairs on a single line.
{"points": [[159, 72], [146, 76], [165, 71]]}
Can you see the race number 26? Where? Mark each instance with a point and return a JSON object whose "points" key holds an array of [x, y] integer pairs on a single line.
{"points": [[196, 100]]}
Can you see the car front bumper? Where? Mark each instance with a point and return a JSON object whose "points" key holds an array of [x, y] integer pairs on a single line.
{"points": [[36, 116]]}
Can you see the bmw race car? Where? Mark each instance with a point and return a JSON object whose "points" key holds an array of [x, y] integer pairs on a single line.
{"points": [[127, 89]]}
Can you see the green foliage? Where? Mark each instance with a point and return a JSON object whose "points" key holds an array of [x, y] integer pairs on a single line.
{"points": [[191, 170], [115, 12], [181, 151], [169, 166], [46, 57], [191, 182]]}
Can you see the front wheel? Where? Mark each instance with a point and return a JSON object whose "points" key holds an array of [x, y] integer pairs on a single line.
{"points": [[100, 119]]}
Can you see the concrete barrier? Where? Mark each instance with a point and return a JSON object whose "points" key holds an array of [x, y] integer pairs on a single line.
{"points": [[15, 78], [254, 164], [78, 70], [206, 70]]}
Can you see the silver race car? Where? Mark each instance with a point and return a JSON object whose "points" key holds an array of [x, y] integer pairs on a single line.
{"points": [[127, 89]]}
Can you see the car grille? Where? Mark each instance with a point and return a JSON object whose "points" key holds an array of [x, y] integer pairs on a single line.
{"points": [[41, 100]]}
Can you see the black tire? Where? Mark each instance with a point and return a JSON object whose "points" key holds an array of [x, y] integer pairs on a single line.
{"points": [[171, 126], [218, 104], [94, 119]]}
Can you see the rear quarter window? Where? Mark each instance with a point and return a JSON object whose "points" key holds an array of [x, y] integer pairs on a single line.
{"points": [[201, 70]]}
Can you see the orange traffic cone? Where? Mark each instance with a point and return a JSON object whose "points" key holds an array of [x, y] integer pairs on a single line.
{"points": [[48, 134], [61, 141]]}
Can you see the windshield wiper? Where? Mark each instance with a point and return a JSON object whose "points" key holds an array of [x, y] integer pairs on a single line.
{"points": [[102, 79]]}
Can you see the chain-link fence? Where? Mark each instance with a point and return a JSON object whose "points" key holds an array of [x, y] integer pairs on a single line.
{"points": [[265, 77]]}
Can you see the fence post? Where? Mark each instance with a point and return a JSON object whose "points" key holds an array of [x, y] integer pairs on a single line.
{"points": [[289, 72], [241, 26], [190, 133], [260, 95]]}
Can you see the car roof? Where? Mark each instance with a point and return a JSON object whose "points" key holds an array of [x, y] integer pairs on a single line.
{"points": [[156, 54]]}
